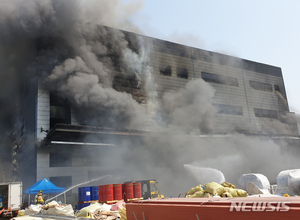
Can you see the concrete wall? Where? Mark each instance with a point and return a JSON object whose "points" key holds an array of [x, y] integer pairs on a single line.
{"points": [[78, 172], [244, 95], [43, 112]]}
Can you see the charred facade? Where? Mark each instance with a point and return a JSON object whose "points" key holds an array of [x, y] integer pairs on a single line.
{"points": [[60, 140]]}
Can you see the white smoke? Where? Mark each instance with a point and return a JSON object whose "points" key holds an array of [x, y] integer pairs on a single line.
{"points": [[191, 109]]}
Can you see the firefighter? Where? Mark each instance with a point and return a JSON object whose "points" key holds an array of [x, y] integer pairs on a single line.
{"points": [[39, 199]]}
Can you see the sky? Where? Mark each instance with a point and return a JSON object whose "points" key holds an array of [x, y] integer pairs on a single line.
{"points": [[264, 31]]}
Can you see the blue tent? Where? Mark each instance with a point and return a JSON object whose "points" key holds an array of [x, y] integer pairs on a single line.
{"points": [[44, 185]]}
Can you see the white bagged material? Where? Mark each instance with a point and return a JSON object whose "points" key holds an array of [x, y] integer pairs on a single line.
{"points": [[259, 180], [84, 212], [33, 209], [44, 211], [66, 210], [252, 189], [106, 207], [52, 204], [288, 181]]}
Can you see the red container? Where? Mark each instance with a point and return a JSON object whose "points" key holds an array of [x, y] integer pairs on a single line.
{"points": [[100, 192], [137, 190], [118, 192], [108, 192], [251, 208], [128, 191]]}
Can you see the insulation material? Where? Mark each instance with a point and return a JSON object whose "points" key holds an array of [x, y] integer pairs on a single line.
{"points": [[65, 210], [198, 194], [226, 184], [195, 189], [260, 182], [84, 212], [33, 209], [123, 213], [252, 189], [105, 215], [288, 182], [231, 192], [214, 189]]}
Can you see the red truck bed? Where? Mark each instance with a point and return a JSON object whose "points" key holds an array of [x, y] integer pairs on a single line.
{"points": [[215, 208]]}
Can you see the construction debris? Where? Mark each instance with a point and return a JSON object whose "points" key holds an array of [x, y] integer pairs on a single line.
{"points": [[103, 211], [122, 212]]}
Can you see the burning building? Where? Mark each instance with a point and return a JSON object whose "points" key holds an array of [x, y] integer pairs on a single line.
{"points": [[64, 137], [96, 100]]}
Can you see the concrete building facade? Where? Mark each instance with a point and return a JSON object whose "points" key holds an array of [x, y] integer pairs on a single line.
{"points": [[248, 95]]}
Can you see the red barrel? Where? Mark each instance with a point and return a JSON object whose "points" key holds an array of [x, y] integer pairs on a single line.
{"points": [[108, 192], [118, 192], [100, 191], [137, 190], [128, 191]]}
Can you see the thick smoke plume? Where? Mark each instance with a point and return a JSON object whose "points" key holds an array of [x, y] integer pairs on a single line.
{"points": [[173, 159], [180, 107], [62, 44], [68, 48]]}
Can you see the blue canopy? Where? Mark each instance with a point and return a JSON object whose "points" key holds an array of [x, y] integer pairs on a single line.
{"points": [[44, 185]]}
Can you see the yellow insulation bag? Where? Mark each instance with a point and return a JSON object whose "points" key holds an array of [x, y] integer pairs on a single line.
{"points": [[198, 194], [241, 193], [207, 195], [231, 191], [195, 189], [122, 212], [226, 194], [214, 188], [226, 184]]}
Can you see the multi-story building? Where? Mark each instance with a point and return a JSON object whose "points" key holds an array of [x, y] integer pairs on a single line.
{"points": [[249, 98]]}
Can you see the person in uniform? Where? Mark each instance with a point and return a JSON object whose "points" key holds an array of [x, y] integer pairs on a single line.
{"points": [[39, 199]]}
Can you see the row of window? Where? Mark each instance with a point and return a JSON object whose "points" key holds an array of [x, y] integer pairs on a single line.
{"points": [[215, 78], [238, 110], [266, 113], [232, 81], [229, 109], [261, 86], [264, 86], [181, 72]]}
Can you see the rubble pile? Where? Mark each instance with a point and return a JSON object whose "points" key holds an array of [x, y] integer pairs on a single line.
{"points": [[105, 215], [103, 211], [214, 189], [52, 208], [122, 212], [96, 210]]}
